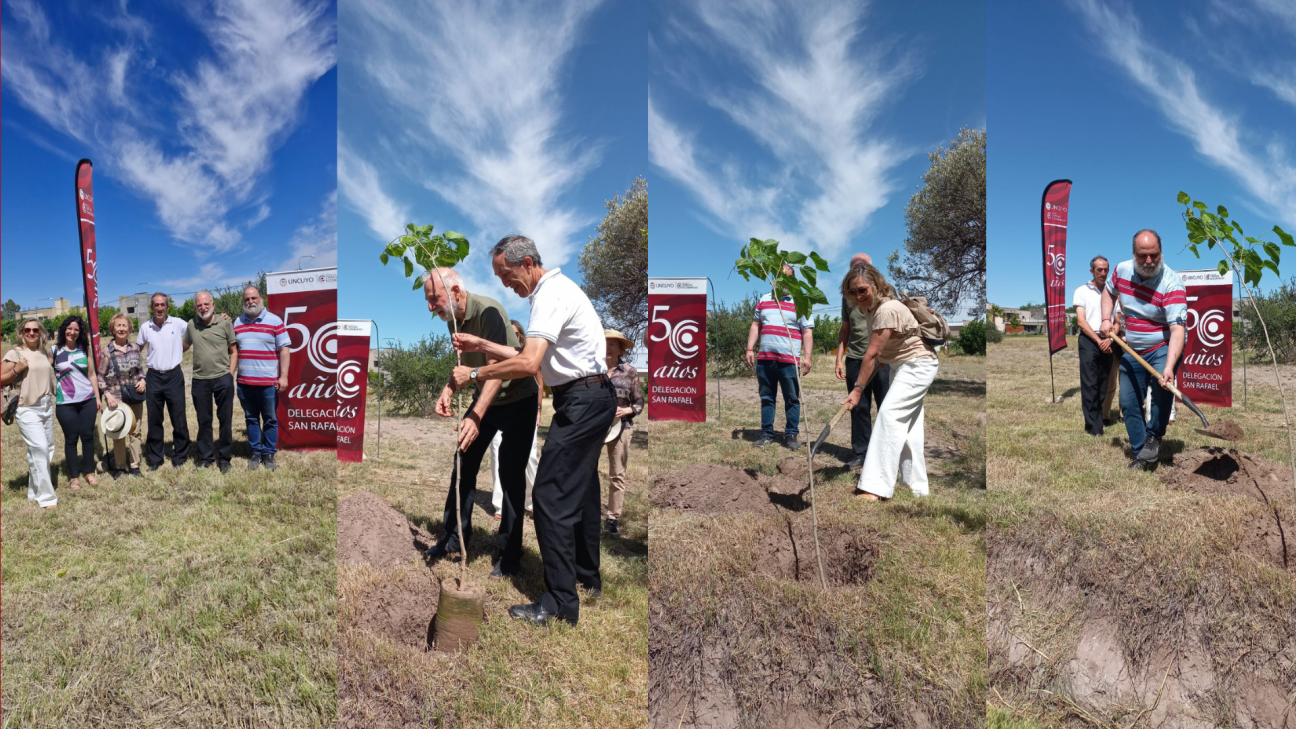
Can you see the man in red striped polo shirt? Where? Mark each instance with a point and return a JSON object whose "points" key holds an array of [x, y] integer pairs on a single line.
{"points": [[262, 372], [782, 336]]}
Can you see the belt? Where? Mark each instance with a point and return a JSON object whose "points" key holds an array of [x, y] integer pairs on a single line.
{"points": [[582, 381], [162, 372]]}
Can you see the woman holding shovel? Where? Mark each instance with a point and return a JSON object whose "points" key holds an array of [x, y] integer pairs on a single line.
{"points": [[896, 445]]}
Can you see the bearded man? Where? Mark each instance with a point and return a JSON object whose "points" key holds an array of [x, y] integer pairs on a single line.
{"points": [[1155, 306], [262, 372], [215, 359]]}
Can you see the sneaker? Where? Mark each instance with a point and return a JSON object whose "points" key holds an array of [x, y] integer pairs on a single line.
{"points": [[254, 462], [610, 526], [1151, 449], [763, 441], [268, 462], [792, 443]]}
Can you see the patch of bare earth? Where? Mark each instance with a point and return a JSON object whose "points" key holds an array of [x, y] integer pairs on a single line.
{"points": [[710, 489]]}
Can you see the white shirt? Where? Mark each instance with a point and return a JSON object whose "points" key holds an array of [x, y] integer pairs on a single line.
{"points": [[1090, 297], [562, 314], [165, 343]]}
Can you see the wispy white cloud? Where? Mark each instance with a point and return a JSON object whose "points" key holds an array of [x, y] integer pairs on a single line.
{"points": [[230, 112], [359, 184], [1263, 168], [810, 92], [479, 87], [317, 237]]}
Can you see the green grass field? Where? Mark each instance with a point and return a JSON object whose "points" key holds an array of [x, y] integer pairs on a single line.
{"points": [[185, 598], [1115, 599], [730, 643], [518, 675]]}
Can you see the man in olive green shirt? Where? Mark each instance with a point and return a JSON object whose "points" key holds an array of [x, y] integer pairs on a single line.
{"points": [[215, 359], [498, 406], [852, 344]]}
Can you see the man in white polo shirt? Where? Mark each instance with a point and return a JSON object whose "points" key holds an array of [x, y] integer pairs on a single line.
{"points": [[564, 341], [1095, 351], [164, 336]]}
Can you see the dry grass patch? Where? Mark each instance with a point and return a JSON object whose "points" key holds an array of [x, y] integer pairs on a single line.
{"points": [[592, 675], [1132, 598], [741, 635], [182, 599]]}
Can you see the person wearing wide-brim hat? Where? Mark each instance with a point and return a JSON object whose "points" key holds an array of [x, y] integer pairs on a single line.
{"points": [[116, 424], [625, 378]]}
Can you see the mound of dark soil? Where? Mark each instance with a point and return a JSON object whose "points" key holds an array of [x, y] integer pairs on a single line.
{"points": [[712, 489], [371, 532], [848, 555], [400, 611], [1225, 471]]}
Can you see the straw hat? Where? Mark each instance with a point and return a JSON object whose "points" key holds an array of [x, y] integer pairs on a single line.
{"points": [[614, 334], [614, 432], [117, 422]]}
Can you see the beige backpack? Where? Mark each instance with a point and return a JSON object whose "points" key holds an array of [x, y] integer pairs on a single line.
{"points": [[932, 327]]}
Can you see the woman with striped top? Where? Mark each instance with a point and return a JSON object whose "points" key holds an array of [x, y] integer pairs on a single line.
{"points": [[76, 399]]}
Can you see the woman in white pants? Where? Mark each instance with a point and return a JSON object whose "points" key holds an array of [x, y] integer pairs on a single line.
{"points": [[497, 498], [896, 445], [30, 367]]}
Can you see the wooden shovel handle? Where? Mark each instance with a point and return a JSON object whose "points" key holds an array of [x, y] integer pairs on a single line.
{"points": [[1147, 366]]}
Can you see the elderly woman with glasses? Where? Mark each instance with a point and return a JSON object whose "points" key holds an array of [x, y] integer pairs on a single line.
{"points": [[30, 367], [76, 399], [896, 445]]}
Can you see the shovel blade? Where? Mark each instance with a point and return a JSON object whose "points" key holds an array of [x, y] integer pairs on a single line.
{"points": [[820, 440]]}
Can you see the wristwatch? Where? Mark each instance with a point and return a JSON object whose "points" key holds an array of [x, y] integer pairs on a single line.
{"points": [[473, 375]]}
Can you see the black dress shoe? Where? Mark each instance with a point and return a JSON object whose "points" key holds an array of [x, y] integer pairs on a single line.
{"points": [[592, 592], [224, 467], [535, 613], [154, 466], [610, 526], [498, 572], [136, 472], [437, 551], [856, 462]]}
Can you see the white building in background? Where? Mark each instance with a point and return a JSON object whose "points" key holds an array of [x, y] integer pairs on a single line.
{"points": [[61, 306], [136, 306]]}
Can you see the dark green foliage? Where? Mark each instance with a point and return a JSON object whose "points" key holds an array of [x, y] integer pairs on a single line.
{"points": [[993, 335], [9, 328], [826, 329], [1278, 308], [414, 375], [429, 251], [727, 329], [972, 338], [614, 264], [11, 309], [764, 260]]}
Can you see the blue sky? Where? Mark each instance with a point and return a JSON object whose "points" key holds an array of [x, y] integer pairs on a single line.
{"points": [[212, 128], [809, 122], [508, 117], [1134, 102]]}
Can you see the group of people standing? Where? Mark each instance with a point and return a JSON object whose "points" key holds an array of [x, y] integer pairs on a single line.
{"points": [[565, 347], [1147, 302], [883, 359], [247, 357]]}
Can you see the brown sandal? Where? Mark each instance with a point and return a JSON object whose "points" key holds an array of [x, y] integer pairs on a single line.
{"points": [[75, 484], [91, 479], [866, 496]]}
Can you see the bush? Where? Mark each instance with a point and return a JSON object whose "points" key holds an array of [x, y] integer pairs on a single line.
{"points": [[413, 376], [1278, 309], [826, 329], [972, 339], [727, 329], [993, 335], [8, 328]]}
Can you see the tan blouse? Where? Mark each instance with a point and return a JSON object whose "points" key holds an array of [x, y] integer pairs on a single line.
{"points": [[39, 379], [905, 343]]}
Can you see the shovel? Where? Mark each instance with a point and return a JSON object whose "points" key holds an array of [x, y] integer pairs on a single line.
{"points": [[827, 429], [1224, 430]]}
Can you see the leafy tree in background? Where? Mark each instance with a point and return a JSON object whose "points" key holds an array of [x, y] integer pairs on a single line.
{"points": [[8, 328], [826, 329], [945, 251], [11, 309], [413, 376], [727, 328], [614, 264], [972, 338], [188, 310]]}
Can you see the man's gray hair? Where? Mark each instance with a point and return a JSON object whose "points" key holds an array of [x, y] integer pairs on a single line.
{"points": [[254, 288], [157, 294], [200, 293], [1096, 259], [515, 248], [449, 278], [1147, 230]]}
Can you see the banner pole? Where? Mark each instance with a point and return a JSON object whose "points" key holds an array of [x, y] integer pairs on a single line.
{"points": [[719, 410], [1244, 351], [1052, 388], [378, 448]]}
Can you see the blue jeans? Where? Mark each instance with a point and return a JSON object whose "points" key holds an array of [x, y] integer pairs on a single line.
{"points": [[770, 375], [1134, 382], [259, 403]]}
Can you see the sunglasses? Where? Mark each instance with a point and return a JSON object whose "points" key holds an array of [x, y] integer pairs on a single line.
{"points": [[31, 330], [860, 290]]}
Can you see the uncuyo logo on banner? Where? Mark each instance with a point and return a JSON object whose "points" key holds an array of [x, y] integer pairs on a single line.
{"points": [[307, 302], [676, 340]]}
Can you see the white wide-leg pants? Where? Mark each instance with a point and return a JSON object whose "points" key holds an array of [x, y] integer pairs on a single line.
{"points": [[896, 445], [497, 498], [37, 427]]}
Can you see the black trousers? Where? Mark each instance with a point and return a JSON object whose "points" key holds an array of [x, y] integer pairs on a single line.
{"points": [[566, 495], [166, 388], [77, 420], [204, 392], [1095, 370], [861, 423], [517, 423]]}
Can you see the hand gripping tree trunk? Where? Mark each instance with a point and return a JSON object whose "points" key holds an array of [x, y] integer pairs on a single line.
{"points": [[1215, 229], [763, 259], [433, 252]]}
